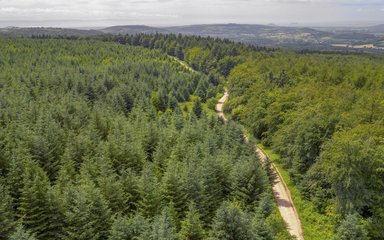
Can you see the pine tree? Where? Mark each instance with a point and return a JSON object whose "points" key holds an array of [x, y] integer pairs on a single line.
{"points": [[33, 202], [19, 165], [120, 229], [197, 109], [230, 223], [191, 226], [22, 234], [213, 180], [130, 185], [249, 181], [6, 212], [87, 213], [47, 146], [172, 188], [149, 190], [164, 226]]}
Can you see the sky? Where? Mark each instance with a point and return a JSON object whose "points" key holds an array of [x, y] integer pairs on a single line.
{"points": [[100, 13]]}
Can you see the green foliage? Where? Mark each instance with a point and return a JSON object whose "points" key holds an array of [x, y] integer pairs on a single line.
{"points": [[93, 143], [136, 227], [248, 184], [164, 226], [22, 234], [6, 212], [149, 190], [351, 229], [191, 226], [197, 109], [38, 211], [87, 214], [323, 114], [232, 223]]}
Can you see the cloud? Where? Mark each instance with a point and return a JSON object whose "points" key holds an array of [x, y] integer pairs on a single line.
{"points": [[176, 12]]}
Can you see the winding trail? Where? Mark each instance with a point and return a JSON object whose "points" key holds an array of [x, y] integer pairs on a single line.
{"points": [[280, 190]]}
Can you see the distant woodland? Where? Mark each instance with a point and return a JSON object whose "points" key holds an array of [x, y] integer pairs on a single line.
{"points": [[110, 138]]}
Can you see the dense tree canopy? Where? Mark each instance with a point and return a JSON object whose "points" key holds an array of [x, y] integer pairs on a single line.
{"points": [[324, 114], [94, 145]]}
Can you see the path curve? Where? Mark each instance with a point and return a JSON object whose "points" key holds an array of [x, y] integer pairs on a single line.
{"points": [[280, 190]]}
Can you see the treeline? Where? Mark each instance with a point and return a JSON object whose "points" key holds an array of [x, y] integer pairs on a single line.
{"points": [[324, 114], [93, 145], [205, 54]]}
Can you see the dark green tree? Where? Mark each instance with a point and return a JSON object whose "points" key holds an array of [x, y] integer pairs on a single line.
{"points": [[197, 109]]}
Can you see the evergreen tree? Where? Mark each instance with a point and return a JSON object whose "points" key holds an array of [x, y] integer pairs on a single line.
{"points": [[120, 229], [6, 212], [22, 234], [87, 213], [249, 181], [231, 223], [164, 226], [191, 226], [150, 198], [33, 210], [172, 188], [197, 109]]}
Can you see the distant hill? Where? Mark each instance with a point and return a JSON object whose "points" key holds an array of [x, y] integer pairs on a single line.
{"points": [[40, 31], [267, 35], [262, 35], [133, 29], [225, 29], [377, 28]]}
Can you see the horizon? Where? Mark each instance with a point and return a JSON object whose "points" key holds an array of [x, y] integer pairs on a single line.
{"points": [[299, 25]]}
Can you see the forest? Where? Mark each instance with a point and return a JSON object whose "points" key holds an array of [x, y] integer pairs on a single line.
{"points": [[324, 115], [109, 137], [322, 112], [94, 145]]}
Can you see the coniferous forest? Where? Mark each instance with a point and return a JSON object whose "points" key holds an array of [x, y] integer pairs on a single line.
{"points": [[110, 137]]}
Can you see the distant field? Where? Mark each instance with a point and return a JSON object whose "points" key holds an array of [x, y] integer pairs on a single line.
{"points": [[363, 46]]}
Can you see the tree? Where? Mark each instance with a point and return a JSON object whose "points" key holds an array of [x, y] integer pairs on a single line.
{"points": [[149, 189], [172, 188], [197, 109], [120, 229], [6, 212], [38, 211], [351, 229], [136, 227], [191, 226], [249, 181], [87, 213], [164, 226], [230, 223], [22, 234]]}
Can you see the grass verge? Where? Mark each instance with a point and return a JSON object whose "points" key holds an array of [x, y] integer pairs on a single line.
{"points": [[315, 226]]}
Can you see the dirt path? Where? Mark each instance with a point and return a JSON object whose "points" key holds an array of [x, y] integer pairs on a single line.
{"points": [[280, 190], [184, 64]]}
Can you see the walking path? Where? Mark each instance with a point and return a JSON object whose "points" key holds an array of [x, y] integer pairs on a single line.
{"points": [[280, 190]]}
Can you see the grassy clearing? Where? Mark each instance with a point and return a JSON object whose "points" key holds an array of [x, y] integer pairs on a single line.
{"points": [[186, 107], [315, 226]]}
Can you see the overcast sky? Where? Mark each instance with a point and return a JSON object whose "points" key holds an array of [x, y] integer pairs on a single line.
{"points": [[93, 13]]}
